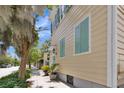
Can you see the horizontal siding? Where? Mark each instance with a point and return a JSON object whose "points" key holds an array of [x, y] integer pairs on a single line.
{"points": [[120, 37], [120, 43], [93, 66]]}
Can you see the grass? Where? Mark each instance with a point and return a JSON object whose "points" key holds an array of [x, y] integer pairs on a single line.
{"points": [[12, 81]]}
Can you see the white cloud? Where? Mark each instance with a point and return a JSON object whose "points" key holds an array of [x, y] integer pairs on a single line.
{"points": [[43, 22], [44, 33]]}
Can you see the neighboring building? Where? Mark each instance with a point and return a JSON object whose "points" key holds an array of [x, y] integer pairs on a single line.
{"points": [[52, 54], [89, 44], [46, 58]]}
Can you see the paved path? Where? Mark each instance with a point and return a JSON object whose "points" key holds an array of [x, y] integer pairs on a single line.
{"points": [[41, 81], [7, 71]]}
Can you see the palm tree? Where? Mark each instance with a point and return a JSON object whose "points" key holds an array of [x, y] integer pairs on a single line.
{"points": [[45, 46], [5, 32], [19, 21], [24, 34], [34, 56], [6, 38]]}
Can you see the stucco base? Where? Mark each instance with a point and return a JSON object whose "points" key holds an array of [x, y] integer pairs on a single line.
{"points": [[80, 83]]}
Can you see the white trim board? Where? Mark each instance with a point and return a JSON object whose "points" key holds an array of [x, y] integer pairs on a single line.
{"points": [[111, 47]]}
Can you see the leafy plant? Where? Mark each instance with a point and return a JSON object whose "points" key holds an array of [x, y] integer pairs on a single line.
{"points": [[28, 73], [53, 68]]}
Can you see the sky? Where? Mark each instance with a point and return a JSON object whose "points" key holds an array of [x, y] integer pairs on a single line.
{"points": [[41, 22]]}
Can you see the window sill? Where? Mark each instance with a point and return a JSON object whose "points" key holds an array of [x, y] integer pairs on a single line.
{"points": [[61, 57], [84, 53]]}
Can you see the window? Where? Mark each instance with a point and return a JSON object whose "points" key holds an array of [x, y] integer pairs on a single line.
{"points": [[62, 9], [61, 12], [62, 47], [66, 8], [82, 37]]}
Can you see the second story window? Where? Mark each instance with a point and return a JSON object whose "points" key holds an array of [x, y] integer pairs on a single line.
{"points": [[61, 11], [66, 8]]}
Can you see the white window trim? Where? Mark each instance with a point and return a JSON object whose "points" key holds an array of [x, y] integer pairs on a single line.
{"points": [[83, 53], [112, 46], [59, 48], [62, 14]]}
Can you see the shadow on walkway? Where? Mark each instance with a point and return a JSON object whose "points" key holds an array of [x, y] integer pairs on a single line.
{"points": [[35, 72], [38, 80]]}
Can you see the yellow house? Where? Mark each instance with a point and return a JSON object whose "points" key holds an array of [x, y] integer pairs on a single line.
{"points": [[89, 44]]}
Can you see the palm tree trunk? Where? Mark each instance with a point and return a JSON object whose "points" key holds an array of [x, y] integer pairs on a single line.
{"points": [[24, 59], [22, 69]]}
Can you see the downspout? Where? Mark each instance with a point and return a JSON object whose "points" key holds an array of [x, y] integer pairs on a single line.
{"points": [[112, 47]]}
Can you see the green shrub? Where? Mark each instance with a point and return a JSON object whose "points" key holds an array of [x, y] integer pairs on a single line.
{"points": [[53, 68], [45, 68], [6, 60], [12, 81], [28, 73]]}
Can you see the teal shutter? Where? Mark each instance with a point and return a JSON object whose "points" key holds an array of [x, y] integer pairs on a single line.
{"points": [[62, 47], [84, 35], [77, 40]]}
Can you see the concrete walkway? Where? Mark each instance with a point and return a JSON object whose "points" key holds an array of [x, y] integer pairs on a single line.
{"points": [[40, 81], [7, 71]]}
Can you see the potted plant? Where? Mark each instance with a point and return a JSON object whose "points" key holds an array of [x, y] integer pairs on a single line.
{"points": [[45, 69], [53, 71]]}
